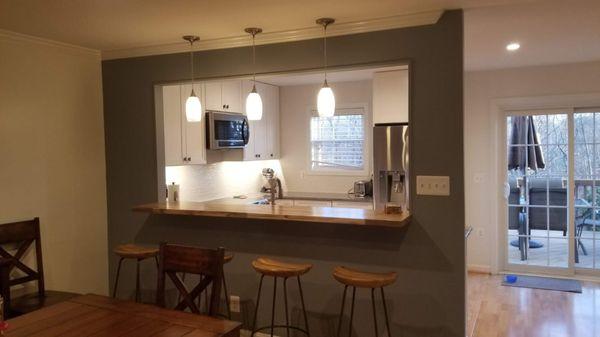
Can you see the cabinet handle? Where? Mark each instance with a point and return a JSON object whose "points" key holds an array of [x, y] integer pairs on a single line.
{"points": [[189, 158], [271, 155], [227, 106]]}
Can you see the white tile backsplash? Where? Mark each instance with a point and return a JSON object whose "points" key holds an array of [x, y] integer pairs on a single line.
{"points": [[220, 180]]}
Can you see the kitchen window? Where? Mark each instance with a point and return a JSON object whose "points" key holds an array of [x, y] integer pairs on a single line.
{"points": [[337, 144]]}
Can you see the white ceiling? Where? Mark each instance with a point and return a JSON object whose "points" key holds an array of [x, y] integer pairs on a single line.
{"points": [[119, 24], [550, 32], [332, 76]]}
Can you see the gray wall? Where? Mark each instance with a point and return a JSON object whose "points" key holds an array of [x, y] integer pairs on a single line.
{"points": [[429, 297]]}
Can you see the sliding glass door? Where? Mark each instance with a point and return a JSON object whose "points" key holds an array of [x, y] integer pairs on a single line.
{"points": [[552, 191]]}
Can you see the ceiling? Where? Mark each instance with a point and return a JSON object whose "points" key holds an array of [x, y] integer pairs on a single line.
{"points": [[550, 32], [119, 24], [335, 76]]}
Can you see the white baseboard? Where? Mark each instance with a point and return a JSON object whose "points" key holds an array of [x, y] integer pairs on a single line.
{"points": [[477, 268]]}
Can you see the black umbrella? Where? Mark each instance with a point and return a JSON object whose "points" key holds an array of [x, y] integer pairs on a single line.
{"points": [[524, 154]]}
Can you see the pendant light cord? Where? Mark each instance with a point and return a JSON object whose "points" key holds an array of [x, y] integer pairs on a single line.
{"points": [[253, 59], [192, 62], [325, 48]]}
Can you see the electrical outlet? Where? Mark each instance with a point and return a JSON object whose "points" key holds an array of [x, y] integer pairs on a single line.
{"points": [[433, 185], [480, 232], [234, 303]]}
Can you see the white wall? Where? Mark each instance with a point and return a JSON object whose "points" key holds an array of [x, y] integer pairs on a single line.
{"points": [[295, 104], [52, 156], [481, 87]]}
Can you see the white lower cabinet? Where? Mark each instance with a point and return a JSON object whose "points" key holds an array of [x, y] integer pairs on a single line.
{"points": [[264, 134], [185, 142]]}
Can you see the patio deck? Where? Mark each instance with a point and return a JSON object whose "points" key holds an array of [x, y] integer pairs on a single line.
{"points": [[554, 253]]}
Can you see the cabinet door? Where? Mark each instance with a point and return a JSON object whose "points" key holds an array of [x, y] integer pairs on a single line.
{"points": [[231, 94], [194, 133], [390, 97], [249, 153], [260, 129], [212, 93], [271, 107], [172, 125]]}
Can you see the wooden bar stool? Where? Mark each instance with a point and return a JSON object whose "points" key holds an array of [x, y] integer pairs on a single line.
{"points": [[139, 253], [278, 269], [354, 278]]}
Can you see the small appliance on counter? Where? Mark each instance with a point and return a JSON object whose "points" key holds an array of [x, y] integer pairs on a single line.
{"points": [[272, 186], [390, 167], [173, 193], [362, 189]]}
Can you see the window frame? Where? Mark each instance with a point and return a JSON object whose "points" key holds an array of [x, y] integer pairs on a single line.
{"points": [[312, 112]]}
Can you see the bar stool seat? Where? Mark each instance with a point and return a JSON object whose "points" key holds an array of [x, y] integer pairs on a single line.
{"points": [[280, 270], [363, 279], [132, 251], [276, 268]]}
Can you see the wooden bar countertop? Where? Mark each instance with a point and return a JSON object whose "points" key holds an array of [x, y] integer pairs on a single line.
{"points": [[335, 215]]}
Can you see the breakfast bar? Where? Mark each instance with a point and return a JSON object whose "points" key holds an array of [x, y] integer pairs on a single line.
{"points": [[334, 215]]}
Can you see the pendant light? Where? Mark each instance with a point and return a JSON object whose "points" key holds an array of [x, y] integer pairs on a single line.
{"points": [[193, 107], [325, 99], [254, 106]]}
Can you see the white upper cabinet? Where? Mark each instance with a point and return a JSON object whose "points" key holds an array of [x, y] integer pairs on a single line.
{"points": [[264, 134], [172, 125], [194, 137], [390, 97], [224, 96], [184, 141]]}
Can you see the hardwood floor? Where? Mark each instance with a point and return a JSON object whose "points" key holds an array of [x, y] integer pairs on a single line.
{"points": [[497, 311]]}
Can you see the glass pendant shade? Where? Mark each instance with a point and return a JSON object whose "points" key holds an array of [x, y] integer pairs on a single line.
{"points": [[254, 106], [193, 108], [326, 101]]}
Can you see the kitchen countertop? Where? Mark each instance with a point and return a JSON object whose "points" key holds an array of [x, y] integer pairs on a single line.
{"points": [[243, 209]]}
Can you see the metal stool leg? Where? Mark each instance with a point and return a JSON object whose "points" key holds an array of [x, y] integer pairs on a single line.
{"points": [[273, 309], [339, 329], [137, 282], [257, 303], [303, 307], [352, 311], [374, 311], [287, 320], [387, 321], [117, 278]]}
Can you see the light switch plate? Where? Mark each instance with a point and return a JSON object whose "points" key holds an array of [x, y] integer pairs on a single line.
{"points": [[433, 185]]}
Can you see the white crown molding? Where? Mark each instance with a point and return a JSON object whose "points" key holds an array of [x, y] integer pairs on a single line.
{"points": [[347, 28], [10, 35]]}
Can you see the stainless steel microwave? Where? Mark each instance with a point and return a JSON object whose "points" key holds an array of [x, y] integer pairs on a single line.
{"points": [[225, 130]]}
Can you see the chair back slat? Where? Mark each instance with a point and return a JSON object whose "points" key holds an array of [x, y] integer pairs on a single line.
{"points": [[16, 232], [25, 234], [208, 263]]}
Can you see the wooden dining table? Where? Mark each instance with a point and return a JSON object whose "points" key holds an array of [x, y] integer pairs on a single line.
{"points": [[95, 315]]}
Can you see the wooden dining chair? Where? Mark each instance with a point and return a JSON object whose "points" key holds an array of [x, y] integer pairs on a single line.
{"points": [[23, 235], [178, 259]]}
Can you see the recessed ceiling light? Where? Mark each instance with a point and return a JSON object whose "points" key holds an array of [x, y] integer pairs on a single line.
{"points": [[513, 46]]}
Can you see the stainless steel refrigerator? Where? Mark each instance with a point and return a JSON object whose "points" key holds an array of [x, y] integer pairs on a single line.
{"points": [[390, 166]]}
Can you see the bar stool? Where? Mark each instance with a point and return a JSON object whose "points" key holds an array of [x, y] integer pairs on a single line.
{"points": [[354, 278], [139, 253], [285, 270]]}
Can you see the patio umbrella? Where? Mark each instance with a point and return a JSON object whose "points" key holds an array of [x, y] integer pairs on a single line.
{"points": [[523, 158]]}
